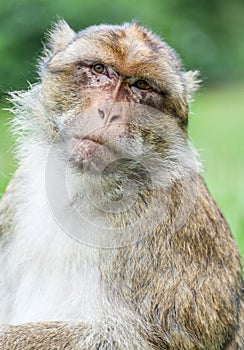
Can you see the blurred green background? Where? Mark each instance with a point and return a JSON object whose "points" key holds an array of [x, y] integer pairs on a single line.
{"points": [[208, 35]]}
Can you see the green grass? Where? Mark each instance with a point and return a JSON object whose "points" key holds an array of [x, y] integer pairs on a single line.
{"points": [[216, 128]]}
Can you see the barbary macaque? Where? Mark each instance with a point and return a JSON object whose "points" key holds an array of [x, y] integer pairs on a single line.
{"points": [[109, 236]]}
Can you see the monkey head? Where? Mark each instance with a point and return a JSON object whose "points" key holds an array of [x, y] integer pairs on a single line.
{"points": [[115, 87]]}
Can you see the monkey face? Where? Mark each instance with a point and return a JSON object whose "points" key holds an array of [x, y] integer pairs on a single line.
{"points": [[115, 91]]}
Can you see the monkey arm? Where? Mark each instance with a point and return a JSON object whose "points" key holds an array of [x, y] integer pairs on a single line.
{"points": [[70, 336], [41, 336], [208, 277]]}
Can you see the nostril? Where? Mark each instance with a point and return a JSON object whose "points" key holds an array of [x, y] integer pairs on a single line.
{"points": [[101, 113], [114, 118]]}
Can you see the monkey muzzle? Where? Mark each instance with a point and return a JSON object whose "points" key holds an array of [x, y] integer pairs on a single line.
{"points": [[95, 152]]}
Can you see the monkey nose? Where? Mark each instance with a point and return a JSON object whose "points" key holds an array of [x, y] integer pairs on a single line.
{"points": [[110, 114]]}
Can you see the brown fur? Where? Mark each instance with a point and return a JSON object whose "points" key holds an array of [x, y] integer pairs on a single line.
{"points": [[179, 286]]}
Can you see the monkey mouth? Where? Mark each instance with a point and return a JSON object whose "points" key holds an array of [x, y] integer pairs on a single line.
{"points": [[98, 140], [89, 151], [93, 153], [83, 149]]}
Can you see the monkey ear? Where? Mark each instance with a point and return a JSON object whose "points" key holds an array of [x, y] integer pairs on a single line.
{"points": [[59, 37], [192, 83]]}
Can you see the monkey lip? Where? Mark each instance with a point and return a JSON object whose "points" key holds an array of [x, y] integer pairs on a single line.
{"points": [[82, 149], [85, 146], [88, 139], [94, 139]]}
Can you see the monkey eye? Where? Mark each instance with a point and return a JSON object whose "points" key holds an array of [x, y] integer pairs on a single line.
{"points": [[99, 68], [142, 84]]}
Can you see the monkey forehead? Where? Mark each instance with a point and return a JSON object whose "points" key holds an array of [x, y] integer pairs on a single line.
{"points": [[130, 49], [129, 41]]}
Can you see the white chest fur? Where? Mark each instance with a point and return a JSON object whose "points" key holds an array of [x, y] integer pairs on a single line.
{"points": [[60, 283], [49, 275]]}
